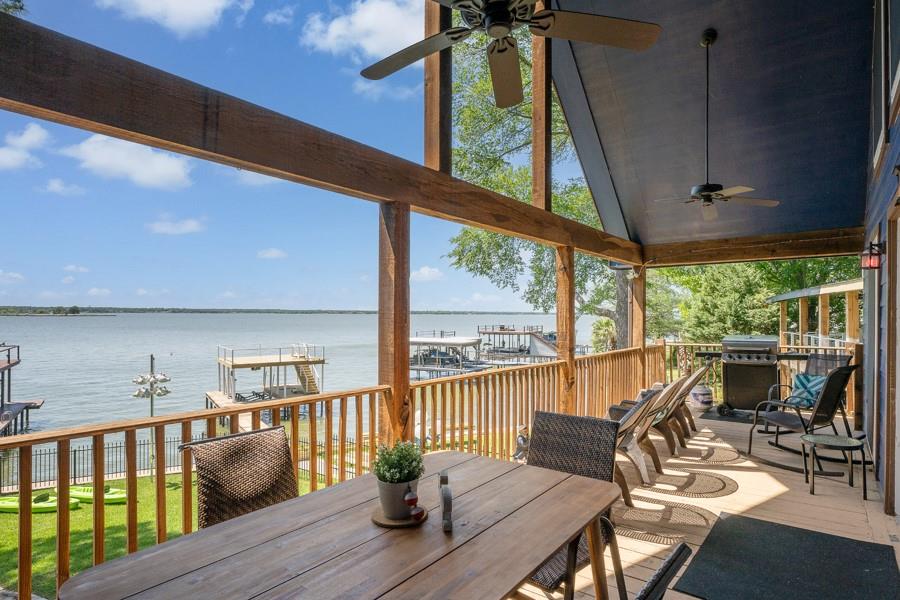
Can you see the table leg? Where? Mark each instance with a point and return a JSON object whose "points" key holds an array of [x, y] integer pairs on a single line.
{"points": [[812, 470], [805, 470], [598, 567], [571, 564], [862, 453]]}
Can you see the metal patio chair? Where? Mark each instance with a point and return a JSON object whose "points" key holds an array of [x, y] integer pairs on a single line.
{"points": [[238, 474], [583, 446], [656, 586], [790, 419]]}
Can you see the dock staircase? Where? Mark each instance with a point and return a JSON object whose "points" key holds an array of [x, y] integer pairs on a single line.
{"points": [[308, 379]]}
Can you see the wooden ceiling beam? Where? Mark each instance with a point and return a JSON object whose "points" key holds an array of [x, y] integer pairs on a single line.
{"points": [[782, 246], [50, 76]]}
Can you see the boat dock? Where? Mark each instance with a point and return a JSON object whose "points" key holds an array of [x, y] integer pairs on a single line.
{"points": [[295, 370], [15, 417]]}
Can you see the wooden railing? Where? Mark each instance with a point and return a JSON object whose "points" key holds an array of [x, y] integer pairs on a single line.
{"points": [[332, 437], [309, 422]]}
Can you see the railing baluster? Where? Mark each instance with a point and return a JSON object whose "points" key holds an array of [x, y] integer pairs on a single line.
{"points": [[97, 467], [62, 512], [159, 433], [358, 436], [276, 416], [131, 520], [255, 420], [295, 438], [234, 423], [329, 443], [24, 584], [373, 442], [445, 394], [313, 447], [187, 502], [433, 393], [211, 427], [342, 440], [418, 398], [453, 415]]}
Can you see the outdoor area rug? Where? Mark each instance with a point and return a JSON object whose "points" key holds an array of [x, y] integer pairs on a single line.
{"points": [[740, 416], [745, 558]]}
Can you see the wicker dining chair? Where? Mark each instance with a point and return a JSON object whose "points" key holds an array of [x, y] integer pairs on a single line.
{"points": [[238, 474], [583, 446]]}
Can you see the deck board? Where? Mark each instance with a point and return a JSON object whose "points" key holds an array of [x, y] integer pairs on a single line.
{"points": [[647, 535]]}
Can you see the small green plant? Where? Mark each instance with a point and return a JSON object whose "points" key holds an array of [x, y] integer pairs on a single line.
{"points": [[399, 464]]}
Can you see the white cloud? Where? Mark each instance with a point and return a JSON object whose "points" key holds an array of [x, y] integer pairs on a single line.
{"points": [[166, 225], [60, 187], [183, 17], [18, 151], [10, 277], [143, 166], [367, 29], [75, 269], [376, 90], [146, 292], [280, 16], [98, 292], [255, 179], [426, 273], [67, 280], [271, 253]]}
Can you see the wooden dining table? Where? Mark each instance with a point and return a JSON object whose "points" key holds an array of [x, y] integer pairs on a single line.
{"points": [[508, 518]]}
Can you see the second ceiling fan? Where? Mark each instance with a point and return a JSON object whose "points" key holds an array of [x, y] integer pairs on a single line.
{"points": [[498, 19], [708, 194]]}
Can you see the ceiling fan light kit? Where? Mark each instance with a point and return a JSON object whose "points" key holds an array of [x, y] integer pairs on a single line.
{"points": [[498, 19]]}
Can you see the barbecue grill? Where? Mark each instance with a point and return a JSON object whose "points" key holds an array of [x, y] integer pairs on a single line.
{"points": [[749, 369]]}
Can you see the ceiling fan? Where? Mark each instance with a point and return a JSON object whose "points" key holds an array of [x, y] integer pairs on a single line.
{"points": [[498, 19], [707, 194]]}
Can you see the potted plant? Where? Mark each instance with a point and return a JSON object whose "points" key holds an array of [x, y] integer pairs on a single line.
{"points": [[398, 470]]}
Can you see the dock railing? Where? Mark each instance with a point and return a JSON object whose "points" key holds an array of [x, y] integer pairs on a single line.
{"points": [[475, 412]]}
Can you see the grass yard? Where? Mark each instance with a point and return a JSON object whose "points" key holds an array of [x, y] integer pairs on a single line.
{"points": [[81, 519]]}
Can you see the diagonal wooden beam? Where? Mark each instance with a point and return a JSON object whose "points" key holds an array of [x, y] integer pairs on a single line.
{"points": [[781, 246], [47, 75]]}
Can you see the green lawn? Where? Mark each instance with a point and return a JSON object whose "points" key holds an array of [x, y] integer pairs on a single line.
{"points": [[81, 520]]}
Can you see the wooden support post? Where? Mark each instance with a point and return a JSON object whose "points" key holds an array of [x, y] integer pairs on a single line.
{"points": [[803, 324], [395, 420], [824, 315], [637, 318], [782, 322], [438, 92], [541, 121], [851, 306], [565, 325]]}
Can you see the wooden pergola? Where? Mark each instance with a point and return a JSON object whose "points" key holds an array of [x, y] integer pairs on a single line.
{"points": [[851, 291]]}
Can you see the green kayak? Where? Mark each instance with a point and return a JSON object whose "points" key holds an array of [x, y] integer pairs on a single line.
{"points": [[85, 493], [42, 503]]}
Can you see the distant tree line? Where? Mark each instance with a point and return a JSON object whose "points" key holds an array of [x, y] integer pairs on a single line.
{"points": [[12, 7]]}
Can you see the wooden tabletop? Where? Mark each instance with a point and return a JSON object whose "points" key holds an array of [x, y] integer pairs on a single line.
{"points": [[507, 519]]}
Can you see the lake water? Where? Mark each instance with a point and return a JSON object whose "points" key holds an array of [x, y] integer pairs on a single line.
{"points": [[83, 366]]}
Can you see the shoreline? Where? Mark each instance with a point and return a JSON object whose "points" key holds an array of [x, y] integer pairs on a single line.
{"points": [[89, 311]]}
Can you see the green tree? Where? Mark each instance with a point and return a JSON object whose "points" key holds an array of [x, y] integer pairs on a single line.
{"points": [[664, 299], [12, 7], [603, 335], [729, 299], [492, 147]]}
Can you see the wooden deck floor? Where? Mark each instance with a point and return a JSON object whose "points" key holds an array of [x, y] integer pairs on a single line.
{"points": [[710, 478]]}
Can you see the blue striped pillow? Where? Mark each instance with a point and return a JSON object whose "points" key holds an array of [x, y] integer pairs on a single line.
{"points": [[806, 390]]}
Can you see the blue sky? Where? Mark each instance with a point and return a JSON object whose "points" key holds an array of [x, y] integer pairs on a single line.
{"points": [[95, 221]]}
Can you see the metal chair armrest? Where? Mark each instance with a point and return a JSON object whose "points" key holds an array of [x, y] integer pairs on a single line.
{"points": [[777, 386]]}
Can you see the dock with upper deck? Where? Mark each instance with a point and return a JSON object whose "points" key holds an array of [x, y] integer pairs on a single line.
{"points": [[15, 417]]}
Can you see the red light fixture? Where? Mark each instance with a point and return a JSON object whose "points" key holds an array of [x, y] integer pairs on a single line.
{"points": [[872, 257]]}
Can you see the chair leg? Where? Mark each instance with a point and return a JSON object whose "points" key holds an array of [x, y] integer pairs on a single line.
{"points": [[689, 416], [667, 434], [616, 557], [634, 454], [679, 417], [675, 426], [650, 449], [619, 478], [571, 562]]}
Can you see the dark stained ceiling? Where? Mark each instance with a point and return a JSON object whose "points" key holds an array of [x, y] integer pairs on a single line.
{"points": [[789, 115]]}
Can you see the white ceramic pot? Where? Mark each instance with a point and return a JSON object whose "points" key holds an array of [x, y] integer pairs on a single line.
{"points": [[391, 495]]}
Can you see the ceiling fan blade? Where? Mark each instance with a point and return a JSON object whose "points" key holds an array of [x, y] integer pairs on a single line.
{"points": [[595, 29], [417, 51], [709, 211], [753, 201], [503, 58], [735, 191], [684, 199]]}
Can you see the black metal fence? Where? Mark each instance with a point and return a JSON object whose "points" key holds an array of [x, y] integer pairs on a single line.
{"points": [[45, 465]]}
